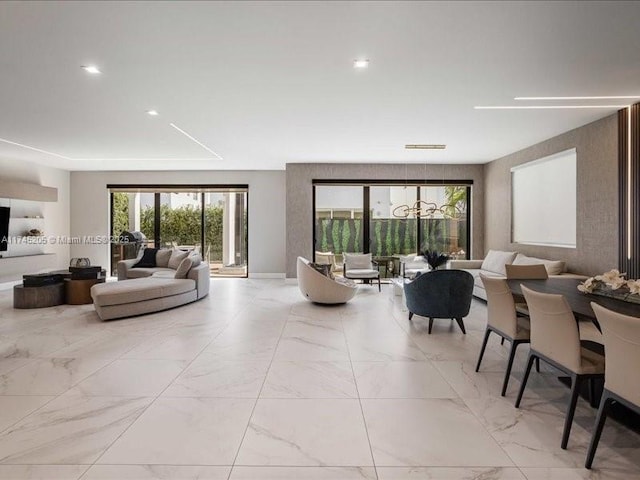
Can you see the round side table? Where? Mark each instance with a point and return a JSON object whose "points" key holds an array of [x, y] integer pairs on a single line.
{"points": [[78, 292]]}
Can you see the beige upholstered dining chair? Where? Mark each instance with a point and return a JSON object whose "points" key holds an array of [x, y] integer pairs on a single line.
{"points": [[525, 272], [360, 266], [503, 320], [555, 339], [621, 335], [588, 331]]}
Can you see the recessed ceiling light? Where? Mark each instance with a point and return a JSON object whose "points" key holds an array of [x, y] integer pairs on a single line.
{"points": [[153, 113], [91, 69], [33, 148], [361, 63], [542, 107], [425, 146], [195, 141], [608, 97]]}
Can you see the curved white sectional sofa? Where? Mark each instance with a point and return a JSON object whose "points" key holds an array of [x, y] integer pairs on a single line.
{"points": [[146, 290]]}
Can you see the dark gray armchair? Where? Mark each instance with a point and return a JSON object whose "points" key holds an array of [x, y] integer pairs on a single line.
{"points": [[440, 294]]}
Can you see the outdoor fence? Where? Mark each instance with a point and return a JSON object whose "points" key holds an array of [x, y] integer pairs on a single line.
{"points": [[390, 236]]}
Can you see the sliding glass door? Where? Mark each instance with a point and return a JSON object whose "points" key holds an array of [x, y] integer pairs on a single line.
{"points": [[225, 231], [444, 225], [212, 220], [339, 213], [389, 219]]}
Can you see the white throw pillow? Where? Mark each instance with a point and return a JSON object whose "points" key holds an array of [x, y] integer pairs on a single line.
{"points": [[495, 261], [183, 268], [554, 267], [162, 257], [177, 256], [358, 260]]}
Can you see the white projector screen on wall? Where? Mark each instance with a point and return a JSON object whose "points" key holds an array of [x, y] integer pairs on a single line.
{"points": [[543, 201]]}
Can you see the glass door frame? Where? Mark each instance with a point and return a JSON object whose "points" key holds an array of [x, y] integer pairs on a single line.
{"points": [[365, 184], [178, 188]]}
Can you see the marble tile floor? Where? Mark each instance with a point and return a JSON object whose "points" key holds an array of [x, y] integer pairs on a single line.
{"points": [[254, 382]]}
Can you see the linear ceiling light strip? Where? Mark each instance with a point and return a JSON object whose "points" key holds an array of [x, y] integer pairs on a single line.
{"points": [[33, 148], [602, 97], [542, 107], [196, 141]]}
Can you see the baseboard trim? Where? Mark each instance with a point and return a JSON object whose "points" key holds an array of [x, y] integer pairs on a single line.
{"points": [[266, 275], [291, 281]]}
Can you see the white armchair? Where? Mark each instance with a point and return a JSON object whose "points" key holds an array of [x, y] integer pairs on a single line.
{"points": [[411, 265], [321, 289], [360, 266]]}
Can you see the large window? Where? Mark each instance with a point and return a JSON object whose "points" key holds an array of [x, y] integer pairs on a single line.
{"points": [[208, 219], [389, 220], [338, 219]]}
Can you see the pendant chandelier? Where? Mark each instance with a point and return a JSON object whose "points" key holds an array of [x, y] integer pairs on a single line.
{"points": [[423, 209]]}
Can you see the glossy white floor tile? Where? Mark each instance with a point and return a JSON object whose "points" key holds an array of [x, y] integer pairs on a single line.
{"points": [[306, 432], [169, 347], [227, 378], [15, 408], [429, 432], [578, 474], [449, 473], [255, 382], [310, 380], [132, 377], [310, 473], [400, 380], [49, 376], [184, 431], [71, 429], [41, 472], [155, 472]]}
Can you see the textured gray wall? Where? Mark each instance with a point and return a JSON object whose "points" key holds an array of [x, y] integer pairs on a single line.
{"points": [[597, 203], [300, 193]]}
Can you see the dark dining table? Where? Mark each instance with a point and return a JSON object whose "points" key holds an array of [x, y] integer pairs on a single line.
{"points": [[579, 302]]}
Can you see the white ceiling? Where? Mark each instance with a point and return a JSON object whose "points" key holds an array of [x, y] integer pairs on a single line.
{"points": [[266, 83]]}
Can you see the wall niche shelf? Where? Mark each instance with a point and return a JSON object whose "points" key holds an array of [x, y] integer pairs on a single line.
{"points": [[9, 257], [27, 191]]}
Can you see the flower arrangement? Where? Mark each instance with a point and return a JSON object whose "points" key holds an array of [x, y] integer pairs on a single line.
{"points": [[434, 259], [612, 284]]}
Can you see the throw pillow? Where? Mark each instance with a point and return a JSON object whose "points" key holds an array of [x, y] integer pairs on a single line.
{"points": [[358, 260], [554, 267], [196, 259], [345, 281], [162, 257], [148, 259], [322, 268], [183, 268], [495, 261], [176, 257]]}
